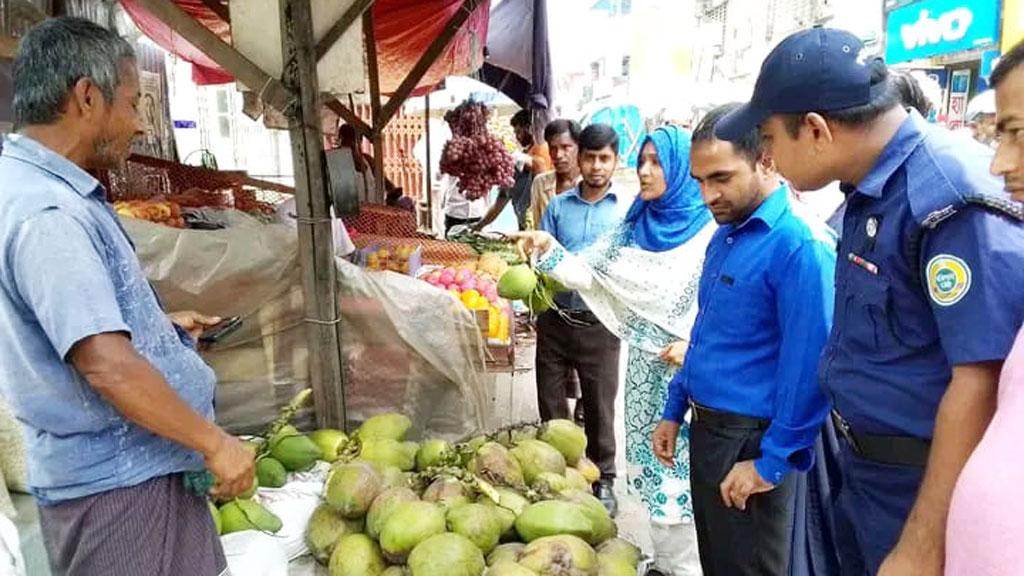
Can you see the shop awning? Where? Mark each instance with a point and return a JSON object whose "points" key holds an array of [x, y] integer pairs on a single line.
{"points": [[404, 30]]}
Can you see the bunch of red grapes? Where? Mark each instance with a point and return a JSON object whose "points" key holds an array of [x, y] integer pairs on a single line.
{"points": [[478, 159]]}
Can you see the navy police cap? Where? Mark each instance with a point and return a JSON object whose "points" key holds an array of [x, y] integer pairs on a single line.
{"points": [[815, 70]]}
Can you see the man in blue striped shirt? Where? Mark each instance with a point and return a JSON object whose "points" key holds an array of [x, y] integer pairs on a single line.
{"points": [[765, 310]]}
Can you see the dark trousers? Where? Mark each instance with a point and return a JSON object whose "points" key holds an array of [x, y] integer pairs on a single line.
{"points": [[754, 542], [450, 221], [873, 503], [593, 352]]}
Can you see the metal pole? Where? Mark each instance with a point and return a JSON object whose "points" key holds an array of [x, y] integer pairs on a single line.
{"points": [[430, 176]]}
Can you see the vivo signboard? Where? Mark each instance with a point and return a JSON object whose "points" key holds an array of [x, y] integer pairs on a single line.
{"points": [[934, 27]]}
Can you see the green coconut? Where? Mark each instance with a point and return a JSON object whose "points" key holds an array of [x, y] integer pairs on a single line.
{"points": [[495, 464], [610, 567], [477, 522], [510, 503], [330, 441], [512, 500], [393, 477], [239, 515], [351, 488], [447, 491], [566, 437], [589, 470], [507, 521], [467, 451], [446, 555], [560, 555], [409, 524], [619, 550], [508, 569], [432, 453], [325, 528], [286, 430], [539, 301], [505, 553], [549, 483], [215, 514], [387, 452], [604, 526], [389, 426], [357, 555], [251, 491], [383, 506], [536, 457], [575, 480], [270, 473], [517, 282], [295, 452], [552, 517]]}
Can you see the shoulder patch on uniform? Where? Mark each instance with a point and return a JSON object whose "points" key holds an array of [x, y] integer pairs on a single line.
{"points": [[949, 279]]}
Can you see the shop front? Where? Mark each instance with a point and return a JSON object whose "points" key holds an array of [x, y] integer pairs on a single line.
{"points": [[954, 41]]}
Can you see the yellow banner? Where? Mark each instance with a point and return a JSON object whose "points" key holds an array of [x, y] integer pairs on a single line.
{"points": [[1013, 24]]}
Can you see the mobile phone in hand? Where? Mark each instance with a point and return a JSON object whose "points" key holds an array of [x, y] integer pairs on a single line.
{"points": [[220, 330]]}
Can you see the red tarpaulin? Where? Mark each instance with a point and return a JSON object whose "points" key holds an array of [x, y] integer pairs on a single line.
{"points": [[404, 30]]}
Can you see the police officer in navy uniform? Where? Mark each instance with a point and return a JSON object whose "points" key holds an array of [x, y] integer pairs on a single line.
{"points": [[928, 290]]}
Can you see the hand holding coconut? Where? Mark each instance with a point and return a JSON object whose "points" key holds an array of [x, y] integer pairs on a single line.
{"points": [[532, 242], [232, 464]]}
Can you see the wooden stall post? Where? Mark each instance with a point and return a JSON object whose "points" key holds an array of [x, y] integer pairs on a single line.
{"points": [[373, 69], [316, 244]]}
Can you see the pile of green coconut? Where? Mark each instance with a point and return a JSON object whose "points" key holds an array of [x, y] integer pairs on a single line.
{"points": [[515, 503]]}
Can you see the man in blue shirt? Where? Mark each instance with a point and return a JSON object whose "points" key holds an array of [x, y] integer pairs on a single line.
{"points": [[764, 312], [115, 401], [928, 297], [577, 218]]}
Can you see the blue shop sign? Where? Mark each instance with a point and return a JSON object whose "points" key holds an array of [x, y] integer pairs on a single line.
{"points": [[934, 27]]}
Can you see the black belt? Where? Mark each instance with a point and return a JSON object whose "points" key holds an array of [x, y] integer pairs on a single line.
{"points": [[718, 419], [883, 448]]}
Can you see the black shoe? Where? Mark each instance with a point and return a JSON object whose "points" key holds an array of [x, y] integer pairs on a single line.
{"points": [[603, 491]]}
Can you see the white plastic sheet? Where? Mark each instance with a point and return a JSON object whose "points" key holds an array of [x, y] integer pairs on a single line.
{"points": [[407, 346]]}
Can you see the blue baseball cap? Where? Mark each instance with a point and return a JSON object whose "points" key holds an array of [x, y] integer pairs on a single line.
{"points": [[815, 70]]}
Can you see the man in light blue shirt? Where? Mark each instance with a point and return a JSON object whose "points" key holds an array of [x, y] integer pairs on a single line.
{"points": [[572, 338], [115, 401]]}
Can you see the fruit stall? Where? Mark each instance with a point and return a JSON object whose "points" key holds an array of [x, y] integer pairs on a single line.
{"points": [[381, 456]]}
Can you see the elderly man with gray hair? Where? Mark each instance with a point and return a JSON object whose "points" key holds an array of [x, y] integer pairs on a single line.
{"points": [[115, 402]]}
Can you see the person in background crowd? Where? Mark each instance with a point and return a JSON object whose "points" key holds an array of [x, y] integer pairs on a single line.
{"points": [[531, 160], [366, 172], [764, 313], [459, 210], [985, 534], [639, 280], [115, 400], [572, 337], [397, 199], [911, 93], [562, 137], [927, 250], [981, 118]]}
